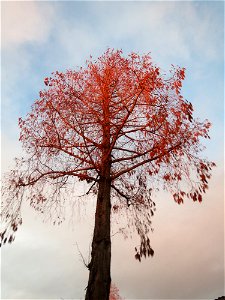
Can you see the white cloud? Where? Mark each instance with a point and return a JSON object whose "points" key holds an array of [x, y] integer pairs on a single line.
{"points": [[25, 21], [171, 30]]}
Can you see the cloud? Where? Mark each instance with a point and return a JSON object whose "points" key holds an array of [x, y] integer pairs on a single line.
{"points": [[173, 31], [25, 26], [25, 22]]}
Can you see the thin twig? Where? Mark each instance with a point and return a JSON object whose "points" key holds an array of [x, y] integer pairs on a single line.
{"points": [[81, 255]]}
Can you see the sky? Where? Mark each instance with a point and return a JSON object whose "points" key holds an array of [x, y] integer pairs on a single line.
{"points": [[39, 37]]}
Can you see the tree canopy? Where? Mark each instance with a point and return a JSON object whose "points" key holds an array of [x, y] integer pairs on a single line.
{"points": [[117, 111]]}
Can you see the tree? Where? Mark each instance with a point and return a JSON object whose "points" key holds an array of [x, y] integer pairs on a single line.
{"points": [[122, 127]]}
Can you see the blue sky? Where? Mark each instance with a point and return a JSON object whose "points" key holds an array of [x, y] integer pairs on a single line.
{"points": [[41, 37]]}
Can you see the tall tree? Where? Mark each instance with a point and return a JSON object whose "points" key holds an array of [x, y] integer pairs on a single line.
{"points": [[124, 128]]}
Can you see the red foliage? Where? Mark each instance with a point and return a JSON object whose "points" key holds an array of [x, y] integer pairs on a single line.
{"points": [[114, 293]]}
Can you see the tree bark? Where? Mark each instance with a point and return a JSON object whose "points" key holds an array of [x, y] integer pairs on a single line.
{"points": [[99, 277]]}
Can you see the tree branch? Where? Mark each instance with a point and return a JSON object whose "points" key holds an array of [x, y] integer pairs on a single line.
{"points": [[72, 127], [121, 194], [57, 175], [144, 162]]}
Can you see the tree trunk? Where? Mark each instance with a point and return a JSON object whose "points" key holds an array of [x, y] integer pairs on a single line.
{"points": [[99, 277]]}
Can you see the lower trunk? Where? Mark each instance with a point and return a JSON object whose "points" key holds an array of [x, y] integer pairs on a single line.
{"points": [[99, 277]]}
